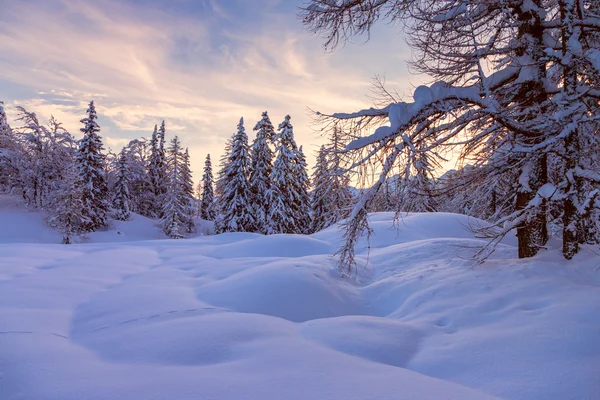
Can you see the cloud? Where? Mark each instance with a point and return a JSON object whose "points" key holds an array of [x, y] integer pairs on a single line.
{"points": [[200, 71]]}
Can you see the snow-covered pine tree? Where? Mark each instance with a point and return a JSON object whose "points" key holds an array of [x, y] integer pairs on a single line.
{"points": [[9, 152], [162, 164], [236, 199], [91, 165], [283, 195], [303, 218], [157, 167], [207, 205], [153, 171], [4, 127], [66, 210], [187, 193], [321, 215], [331, 198], [140, 188], [260, 171], [221, 182], [122, 197], [174, 210], [223, 165]]}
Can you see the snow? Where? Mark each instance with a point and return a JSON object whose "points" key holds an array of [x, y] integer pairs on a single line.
{"points": [[247, 316]]}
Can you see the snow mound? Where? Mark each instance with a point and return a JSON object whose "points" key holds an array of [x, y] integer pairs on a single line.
{"points": [[272, 246], [20, 225], [379, 340], [296, 290]]}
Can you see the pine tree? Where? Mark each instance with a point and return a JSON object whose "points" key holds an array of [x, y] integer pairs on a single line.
{"points": [[207, 208], [157, 167], [142, 198], [153, 162], [283, 195], [221, 183], [9, 151], [321, 215], [162, 165], [91, 164], [122, 197], [4, 127], [235, 202], [223, 166], [260, 171], [187, 193], [174, 210], [303, 217], [66, 212], [331, 197]]}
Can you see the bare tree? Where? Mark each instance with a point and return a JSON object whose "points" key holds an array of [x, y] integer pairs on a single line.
{"points": [[515, 89]]}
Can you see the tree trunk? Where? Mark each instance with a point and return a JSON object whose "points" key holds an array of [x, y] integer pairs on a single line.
{"points": [[532, 234]]}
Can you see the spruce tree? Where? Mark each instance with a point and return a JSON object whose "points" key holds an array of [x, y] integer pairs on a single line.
{"points": [[141, 192], [207, 209], [283, 195], [223, 165], [260, 171], [331, 197], [66, 212], [153, 170], [174, 210], [221, 182], [187, 193], [157, 167], [236, 200], [8, 151], [122, 197], [320, 195], [162, 166], [91, 164], [4, 127], [302, 182]]}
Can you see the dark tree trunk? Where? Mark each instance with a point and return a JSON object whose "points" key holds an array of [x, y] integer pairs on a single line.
{"points": [[532, 234]]}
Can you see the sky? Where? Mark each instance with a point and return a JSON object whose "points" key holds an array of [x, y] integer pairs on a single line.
{"points": [[199, 65]]}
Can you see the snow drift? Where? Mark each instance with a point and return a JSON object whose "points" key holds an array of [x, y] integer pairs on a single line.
{"points": [[245, 316]]}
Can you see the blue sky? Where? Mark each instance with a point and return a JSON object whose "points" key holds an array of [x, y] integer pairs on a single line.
{"points": [[198, 64]]}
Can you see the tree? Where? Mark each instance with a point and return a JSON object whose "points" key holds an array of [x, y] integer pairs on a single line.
{"points": [[223, 166], [9, 153], [91, 164], [331, 198], [284, 194], [142, 196], [174, 209], [260, 171], [122, 197], [187, 193], [322, 216], [38, 160], [66, 211], [207, 206], [532, 114], [4, 127], [162, 165], [235, 202], [157, 167], [302, 182]]}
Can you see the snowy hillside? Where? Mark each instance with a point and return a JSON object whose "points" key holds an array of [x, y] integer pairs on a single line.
{"points": [[246, 316]]}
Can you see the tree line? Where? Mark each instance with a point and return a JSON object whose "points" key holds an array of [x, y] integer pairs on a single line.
{"points": [[263, 187]]}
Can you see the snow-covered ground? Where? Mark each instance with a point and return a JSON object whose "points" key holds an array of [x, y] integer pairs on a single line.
{"points": [[244, 316]]}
